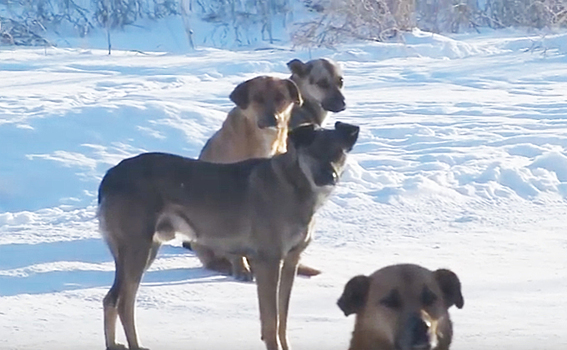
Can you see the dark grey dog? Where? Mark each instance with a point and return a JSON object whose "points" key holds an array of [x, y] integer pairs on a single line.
{"points": [[260, 208]]}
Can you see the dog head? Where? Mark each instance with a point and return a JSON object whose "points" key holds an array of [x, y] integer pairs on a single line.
{"points": [[320, 80], [403, 307], [322, 152], [267, 99]]}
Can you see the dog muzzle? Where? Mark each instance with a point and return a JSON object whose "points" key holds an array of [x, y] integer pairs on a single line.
{"points": [[334, 104], [415, 335]]}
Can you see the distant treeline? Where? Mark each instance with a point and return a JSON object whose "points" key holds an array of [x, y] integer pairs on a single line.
{"points": [[327, 23]]}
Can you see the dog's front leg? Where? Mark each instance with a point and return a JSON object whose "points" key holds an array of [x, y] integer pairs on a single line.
{"points": [[267, 272], [289, 271]]}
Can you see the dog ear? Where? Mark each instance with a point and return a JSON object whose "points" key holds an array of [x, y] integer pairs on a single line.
{"points": [[348, 132], [240, 95], [450, 286], [294, 92], [298, 67], [355, 295], [302, 136]]}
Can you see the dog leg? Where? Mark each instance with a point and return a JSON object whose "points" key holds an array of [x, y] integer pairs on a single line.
{"points": [[136, 259], [153, 253], [110, 303], [210, 260], [233, 265], [240, 268], [267, 273], [289, 270]]}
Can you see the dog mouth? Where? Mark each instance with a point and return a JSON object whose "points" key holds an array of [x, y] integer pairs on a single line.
{"points": [[421, 347]]}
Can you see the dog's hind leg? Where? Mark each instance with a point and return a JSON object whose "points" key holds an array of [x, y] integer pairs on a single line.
{"points": [[112, 298], [153, 253], [136, 258], [267, 272], [289, 270], [110, 303], [228, 264], [209, 260]]}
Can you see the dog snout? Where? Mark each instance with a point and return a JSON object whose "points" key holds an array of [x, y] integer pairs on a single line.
{"points": [[336, 103], [420, 334], [414, 335]]}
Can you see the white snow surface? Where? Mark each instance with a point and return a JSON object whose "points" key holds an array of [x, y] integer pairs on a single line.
{"points": [[461, 163]]}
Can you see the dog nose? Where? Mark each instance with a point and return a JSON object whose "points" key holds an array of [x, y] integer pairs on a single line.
{"points": [[334, 103], [419, 333], [340, 103]]}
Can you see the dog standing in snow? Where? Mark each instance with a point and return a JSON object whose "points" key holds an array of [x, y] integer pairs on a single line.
{"points": [[260, 208]]}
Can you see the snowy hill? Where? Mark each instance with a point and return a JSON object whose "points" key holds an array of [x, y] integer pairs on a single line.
{"points": [[461, 163]]}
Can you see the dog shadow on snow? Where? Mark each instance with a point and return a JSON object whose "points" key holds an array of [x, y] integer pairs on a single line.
{"points": [[73, 265]]}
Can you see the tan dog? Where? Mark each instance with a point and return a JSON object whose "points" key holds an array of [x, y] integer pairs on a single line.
{"points": [[256, 128], [402, 307], [320, 82], [259, 208]]}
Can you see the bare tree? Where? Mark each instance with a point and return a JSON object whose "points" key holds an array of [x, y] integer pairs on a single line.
{"points": [[186, 10], [527, 13], [339, 21], [442, 16]]}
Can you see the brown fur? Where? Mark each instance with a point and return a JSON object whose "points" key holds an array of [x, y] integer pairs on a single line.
{"points": [[259, 208], [320, 82], [402, 307]]}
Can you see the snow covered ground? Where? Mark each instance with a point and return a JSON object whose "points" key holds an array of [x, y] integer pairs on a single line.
{"points": [[461, 163]]}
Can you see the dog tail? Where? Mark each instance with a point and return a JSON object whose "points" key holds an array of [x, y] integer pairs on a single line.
{"points": [[304, 270]]}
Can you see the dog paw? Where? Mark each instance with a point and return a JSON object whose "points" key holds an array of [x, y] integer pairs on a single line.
{"points": [[243, 275], [117, 347], [240, 269]]}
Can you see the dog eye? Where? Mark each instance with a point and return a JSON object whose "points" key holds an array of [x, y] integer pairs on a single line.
{"points": [[428, 298], [259, 99], [392, 300], [340, 82], [323, 84]]}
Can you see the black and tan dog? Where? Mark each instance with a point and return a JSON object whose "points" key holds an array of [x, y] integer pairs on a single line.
{"points": [[260, 208], [320, 82], [402, 307]]}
